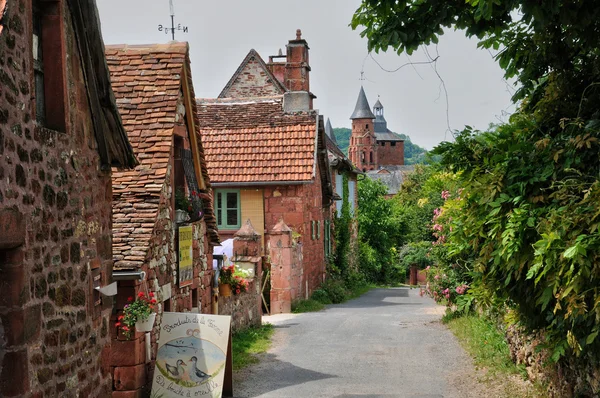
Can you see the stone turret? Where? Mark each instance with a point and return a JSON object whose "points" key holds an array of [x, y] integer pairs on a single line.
{"points": [[362, 150]]}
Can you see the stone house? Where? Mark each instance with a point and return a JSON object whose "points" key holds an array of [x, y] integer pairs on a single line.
{"points": [[155, 96], [60, 134], [267, 157]]}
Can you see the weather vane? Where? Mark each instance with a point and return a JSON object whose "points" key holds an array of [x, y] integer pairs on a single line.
{"points": [[173, 28]]}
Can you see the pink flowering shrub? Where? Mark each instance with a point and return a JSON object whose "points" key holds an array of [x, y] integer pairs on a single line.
{"points": [[448, 280]]}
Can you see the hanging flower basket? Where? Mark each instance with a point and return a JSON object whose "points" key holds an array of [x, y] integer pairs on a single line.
{"points": [[147, 324], [181, 216], [225, 289]]}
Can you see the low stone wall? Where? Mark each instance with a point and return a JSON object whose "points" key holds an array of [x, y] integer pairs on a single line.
{"points": [[244, 308], [570, 377]]}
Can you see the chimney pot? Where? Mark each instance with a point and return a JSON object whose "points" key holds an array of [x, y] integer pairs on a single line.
{"points": [[298, 34]]}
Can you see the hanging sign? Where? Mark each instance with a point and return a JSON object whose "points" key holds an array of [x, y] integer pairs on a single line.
{"points": [[186, 255], [192, 357]]}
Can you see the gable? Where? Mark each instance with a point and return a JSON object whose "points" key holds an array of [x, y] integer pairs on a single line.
{"points": [[252, 79]]}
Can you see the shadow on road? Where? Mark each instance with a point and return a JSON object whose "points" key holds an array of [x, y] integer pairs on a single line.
{"points": [[282, 375], [380, 298]]}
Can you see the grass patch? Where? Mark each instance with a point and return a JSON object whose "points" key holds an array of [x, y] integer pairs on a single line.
{"points": [[246, 344], [486, 344], [309, 305]]}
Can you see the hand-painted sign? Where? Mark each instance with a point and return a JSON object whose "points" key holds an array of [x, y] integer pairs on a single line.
{"points": [[191, 357], [186, 256]]}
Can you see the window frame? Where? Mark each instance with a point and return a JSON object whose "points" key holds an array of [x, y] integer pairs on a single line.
{"points": [[223, 217], [52, 65]]}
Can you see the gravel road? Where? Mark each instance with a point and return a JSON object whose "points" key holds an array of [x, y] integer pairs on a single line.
{"points": [[386, 343]]}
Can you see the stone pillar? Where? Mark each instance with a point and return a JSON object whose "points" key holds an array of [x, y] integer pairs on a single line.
{"points": [[245, 308], [280, 249]]}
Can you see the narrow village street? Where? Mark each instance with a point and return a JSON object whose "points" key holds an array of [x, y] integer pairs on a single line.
{"points": [[387, 343]]}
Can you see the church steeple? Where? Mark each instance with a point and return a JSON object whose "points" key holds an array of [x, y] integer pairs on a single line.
{"points": [[380, 124], [362, 150], [362, 110]]}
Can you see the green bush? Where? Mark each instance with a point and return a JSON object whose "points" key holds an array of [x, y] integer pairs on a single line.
{"points": [[321, 296], [336, 290]]}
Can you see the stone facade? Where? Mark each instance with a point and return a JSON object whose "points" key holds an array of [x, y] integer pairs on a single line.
{"points": [[252, 79], [55, 223], [131, 375], [363, 150], [390, 153]]}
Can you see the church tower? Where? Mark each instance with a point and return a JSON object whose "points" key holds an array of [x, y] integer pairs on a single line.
{"points": [[362, 150]]}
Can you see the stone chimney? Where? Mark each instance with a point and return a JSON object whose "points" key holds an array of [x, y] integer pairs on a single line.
{"points": [[294, 74]]}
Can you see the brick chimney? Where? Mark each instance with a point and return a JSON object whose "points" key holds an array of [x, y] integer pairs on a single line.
{"points": [[297, 68], [294, 74]]}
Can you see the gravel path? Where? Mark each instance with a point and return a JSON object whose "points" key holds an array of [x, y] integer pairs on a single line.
{"points": [[387, 343]]}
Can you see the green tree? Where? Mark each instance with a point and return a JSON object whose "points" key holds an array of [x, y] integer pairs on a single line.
{"points": [[381, 231], [536, 39]]}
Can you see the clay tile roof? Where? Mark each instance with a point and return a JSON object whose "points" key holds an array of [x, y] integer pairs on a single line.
{"points": [[147, 83], [254, 141]]}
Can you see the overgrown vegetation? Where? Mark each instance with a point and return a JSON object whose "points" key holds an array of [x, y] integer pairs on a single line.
{"points": [[482, 339], [246, 344], [520, 235]]}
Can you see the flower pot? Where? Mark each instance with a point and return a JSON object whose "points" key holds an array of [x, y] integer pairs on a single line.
{"points": [[146, 325], [181, 216], [225, 290]]}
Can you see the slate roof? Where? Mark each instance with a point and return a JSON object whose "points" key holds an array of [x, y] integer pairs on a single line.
{"points": [[362, 110], [329, 131], [254, 141], [391, 176], [147, 81]]}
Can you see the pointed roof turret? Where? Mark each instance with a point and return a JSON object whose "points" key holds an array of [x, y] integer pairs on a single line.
{"points": [[380, 124], [329, 131], [362, 109]]}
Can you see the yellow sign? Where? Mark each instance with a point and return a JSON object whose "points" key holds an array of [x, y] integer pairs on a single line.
{"points": [[186, 256]]}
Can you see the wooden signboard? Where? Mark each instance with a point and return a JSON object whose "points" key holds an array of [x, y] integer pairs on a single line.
{"points": [[186, 256], [194, 356]]}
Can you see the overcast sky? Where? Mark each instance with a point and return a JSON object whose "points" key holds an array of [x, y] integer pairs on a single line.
{"points": [[222, 32]]}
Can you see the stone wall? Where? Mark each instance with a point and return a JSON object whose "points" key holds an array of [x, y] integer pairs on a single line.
{"points": [[131, 375], [244, 308], [570, 377], [56, 340], [389, 155], [253, 81]]}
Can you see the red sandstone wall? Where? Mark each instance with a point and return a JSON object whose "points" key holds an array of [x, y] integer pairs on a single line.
{"points": [[391, 155], [298, 205], [128, 364], [55, 342]]}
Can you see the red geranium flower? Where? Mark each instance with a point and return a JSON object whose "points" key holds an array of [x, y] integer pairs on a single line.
{"points": [[130, 299], [141, 294]]}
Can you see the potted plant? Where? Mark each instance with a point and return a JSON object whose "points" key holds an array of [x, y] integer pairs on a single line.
{"points": [[182, 206], [226, 280], [187, 208], [239, 284], [138, 314]]}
